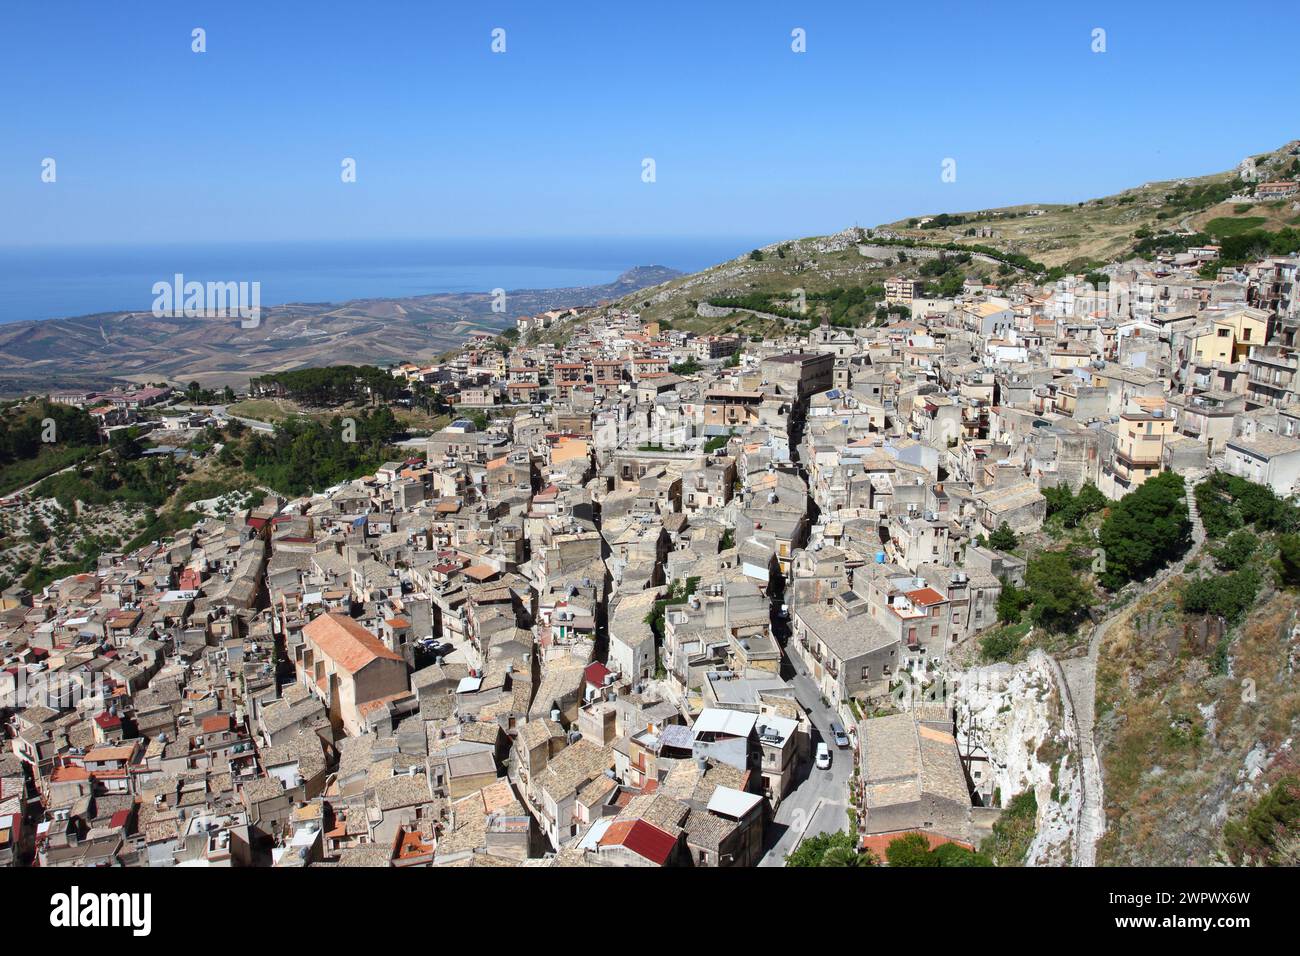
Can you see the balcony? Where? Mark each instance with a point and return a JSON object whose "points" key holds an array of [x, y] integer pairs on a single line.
{"points": [[1137, 461]]}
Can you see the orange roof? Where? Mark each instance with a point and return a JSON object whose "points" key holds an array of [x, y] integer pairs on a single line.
{"points": [[410, 844], [346, 642], [878, 843], [642, 838], [120, 752], [926, 596], [365, 708], [216, 723], [498, 796]]}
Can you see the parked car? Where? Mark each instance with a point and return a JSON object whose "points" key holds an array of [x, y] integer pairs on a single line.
{"points": [[841, 738], [823, 757]]}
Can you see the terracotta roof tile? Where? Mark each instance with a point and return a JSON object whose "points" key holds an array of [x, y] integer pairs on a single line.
{"points": [[346, 642]]}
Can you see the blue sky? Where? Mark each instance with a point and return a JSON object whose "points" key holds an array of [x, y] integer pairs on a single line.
{"points": [[155, 143]]}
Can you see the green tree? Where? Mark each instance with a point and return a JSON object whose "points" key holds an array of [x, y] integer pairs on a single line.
{"points": [[952, 854], [1003, 539], [1059, 499], [36, 529], [1227, 502], [811, 851], [1011, 602], [1146, 529], [911, 849], [1059, 596], [841, 856], [1228, 596], [1088, 501], [124, 444]]}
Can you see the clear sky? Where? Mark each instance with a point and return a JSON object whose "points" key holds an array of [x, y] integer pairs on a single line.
{"points": [[155, 143]]}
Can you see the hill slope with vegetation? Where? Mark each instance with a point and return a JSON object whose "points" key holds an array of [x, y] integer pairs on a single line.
{"points": [[841, 276], [1197, 701]]}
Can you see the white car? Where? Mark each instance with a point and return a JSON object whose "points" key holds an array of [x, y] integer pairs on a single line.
{"points": [[823, 757]]}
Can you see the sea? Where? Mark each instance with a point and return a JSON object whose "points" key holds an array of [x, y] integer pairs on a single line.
{"points": [[57, 281]]}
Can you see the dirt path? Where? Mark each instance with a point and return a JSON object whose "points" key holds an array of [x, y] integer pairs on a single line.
{"points": [[1078, 677]]}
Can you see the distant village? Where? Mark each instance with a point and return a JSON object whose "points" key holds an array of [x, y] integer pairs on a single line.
{"points": [[650, 598]]}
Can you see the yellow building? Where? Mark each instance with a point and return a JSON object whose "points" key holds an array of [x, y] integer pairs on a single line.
{"points": [[1229, 339], [1139, 447]]}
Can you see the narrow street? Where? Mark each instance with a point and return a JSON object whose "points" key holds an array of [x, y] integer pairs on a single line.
{"points": [[819, 804]]}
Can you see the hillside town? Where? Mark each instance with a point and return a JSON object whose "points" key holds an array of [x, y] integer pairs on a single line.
{"points": [[648, 598]]}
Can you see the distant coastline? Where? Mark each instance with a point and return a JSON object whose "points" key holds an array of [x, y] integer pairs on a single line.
{"points": [[49, 282]]}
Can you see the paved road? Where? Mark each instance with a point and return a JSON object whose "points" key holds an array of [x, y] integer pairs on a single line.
{"points": [[820, 801], [819, 804], [222, 413]]}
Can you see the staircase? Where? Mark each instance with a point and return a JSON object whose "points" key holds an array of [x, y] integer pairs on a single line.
{"points": [[1194, 512]]}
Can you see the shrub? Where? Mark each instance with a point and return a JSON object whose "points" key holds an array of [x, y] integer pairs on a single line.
{"points": [[1229, 596], [1269, 823], [1013, 832], [1287, 565], [1060, 597], [1237, 550]]}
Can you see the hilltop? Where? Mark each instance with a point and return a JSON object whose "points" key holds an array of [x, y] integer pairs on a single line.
{"points": [[1080, 235], [1032, 240]]}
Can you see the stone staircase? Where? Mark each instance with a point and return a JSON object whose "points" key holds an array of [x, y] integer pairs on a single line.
{"points": [[1193, 511], [1078, 677]]}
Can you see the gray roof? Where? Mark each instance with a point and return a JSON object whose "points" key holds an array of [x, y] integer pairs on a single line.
{"points": [[846, 638]]}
